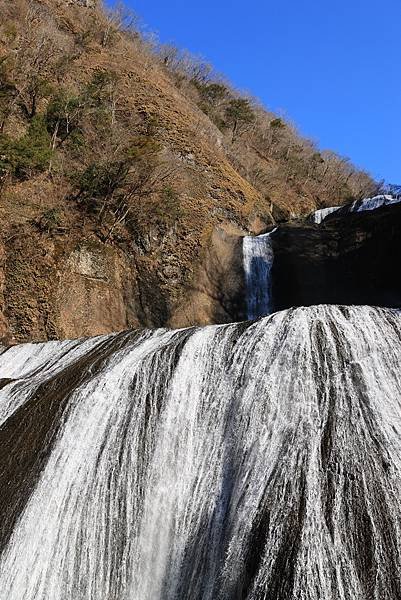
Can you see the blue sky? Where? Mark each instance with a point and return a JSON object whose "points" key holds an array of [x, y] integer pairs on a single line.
{"points": [[333, 68]]}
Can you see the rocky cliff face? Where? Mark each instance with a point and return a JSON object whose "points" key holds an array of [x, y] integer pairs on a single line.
{"points": [[65, 270], [63, 287], [85, 3], [352, 258], [217, 292], [54, 289]]}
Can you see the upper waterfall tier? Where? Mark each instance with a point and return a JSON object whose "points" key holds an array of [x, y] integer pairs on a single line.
{"points": [[246, 461], [358, 206], [258, 259], [354, 257]]}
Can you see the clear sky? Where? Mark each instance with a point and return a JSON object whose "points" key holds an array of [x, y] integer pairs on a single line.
{"points": [[332, 67]]}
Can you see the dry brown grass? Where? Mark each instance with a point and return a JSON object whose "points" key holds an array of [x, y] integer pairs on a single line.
{"points": [[219, 181]]}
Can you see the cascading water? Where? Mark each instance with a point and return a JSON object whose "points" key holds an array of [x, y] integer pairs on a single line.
{"points": [[358, 206], [373, 203], [245, 461], [258, 259], [319, 215]]}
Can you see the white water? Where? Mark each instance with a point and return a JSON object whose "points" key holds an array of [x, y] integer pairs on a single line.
{"points": [[319, 215], [32, 364], [246, 461], [258, 259], [358, 206], [374, 203]]}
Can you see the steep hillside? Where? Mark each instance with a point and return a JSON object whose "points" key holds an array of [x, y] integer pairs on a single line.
{"points": [[125, 167]]}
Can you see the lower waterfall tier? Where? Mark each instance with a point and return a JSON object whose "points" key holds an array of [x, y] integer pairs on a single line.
{"points": [[246, 461]]}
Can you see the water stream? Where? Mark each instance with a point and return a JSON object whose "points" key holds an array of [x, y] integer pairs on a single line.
{"points": [[258, 256], [246, 461]]}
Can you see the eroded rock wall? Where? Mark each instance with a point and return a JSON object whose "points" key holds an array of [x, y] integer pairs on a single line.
{"points": [[96, 292], [3, 321], [52, 289], [217, 292], [348, 259]]}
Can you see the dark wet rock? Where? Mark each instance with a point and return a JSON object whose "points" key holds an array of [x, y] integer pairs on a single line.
{"points": [[348, 259]]}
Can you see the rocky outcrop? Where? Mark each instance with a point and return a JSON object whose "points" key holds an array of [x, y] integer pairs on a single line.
{"points": [[3, 322], [216, 295], [96, 292], [65, 288], [56, 288], [353, 258]]}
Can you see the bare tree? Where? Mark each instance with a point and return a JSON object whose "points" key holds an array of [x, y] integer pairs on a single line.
{"points": [[33, 61], [119, 19]]}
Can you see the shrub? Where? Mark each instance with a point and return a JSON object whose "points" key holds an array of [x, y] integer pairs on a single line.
{"points": [[51, 220], [36, 89], [240, 110], [63, 115], [99, 181], [32, 153], [7, 91], [277, 123], [239, 113], [169, 209], [212, 92], [97, 91]]}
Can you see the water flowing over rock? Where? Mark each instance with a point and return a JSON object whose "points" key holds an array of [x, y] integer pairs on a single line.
{"points": [[258, 259], [246, 461], [319, 215], [353, 257], [358, 206]]}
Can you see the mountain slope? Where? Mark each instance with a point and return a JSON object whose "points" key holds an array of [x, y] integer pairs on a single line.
{"points": [[119, 162]]}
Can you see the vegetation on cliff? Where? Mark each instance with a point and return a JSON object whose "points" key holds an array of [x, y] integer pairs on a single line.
{"points": [[68, 125], [107, 135]]}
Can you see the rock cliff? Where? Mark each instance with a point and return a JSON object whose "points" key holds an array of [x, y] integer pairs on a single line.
{"points": [[84, 98]]}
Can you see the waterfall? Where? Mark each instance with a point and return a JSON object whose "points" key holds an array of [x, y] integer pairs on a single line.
{"points": [[258, 259], [244, 461], [358, 206], [373, 203], [319, 215]]}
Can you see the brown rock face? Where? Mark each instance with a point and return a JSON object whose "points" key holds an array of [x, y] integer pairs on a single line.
{"points": [[66, 288], [3, 322], [217, 293], [95, 292], [57, 289]]}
